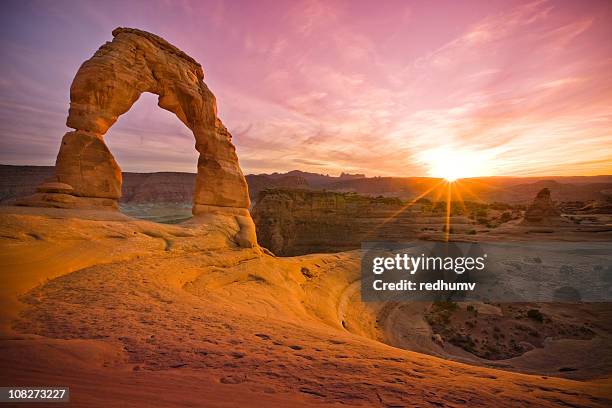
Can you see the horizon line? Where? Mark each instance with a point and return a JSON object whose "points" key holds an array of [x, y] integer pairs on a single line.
{"points": [[346, 173]]}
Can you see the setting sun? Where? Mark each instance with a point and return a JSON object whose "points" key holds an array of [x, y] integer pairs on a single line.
{"points": [[453, 164]]}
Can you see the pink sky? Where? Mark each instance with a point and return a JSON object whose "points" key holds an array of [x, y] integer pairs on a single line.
{"points": [[521, 88]]}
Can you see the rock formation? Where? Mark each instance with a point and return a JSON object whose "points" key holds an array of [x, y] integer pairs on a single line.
{"points": [[295, 222], [542, 211], [598, 206], [105, 87]]}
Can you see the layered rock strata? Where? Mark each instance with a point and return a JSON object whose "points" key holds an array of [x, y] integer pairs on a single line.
{"points": [[295, 222]]}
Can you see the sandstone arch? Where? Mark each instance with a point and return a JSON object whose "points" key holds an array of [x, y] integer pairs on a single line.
{"points": [[105, 87]]}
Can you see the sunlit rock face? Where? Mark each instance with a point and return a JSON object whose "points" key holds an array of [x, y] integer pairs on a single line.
{"points": [[105, 87], [542, 210], [294, 222]]}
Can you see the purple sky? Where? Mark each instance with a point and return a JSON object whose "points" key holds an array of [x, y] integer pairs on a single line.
{"points": [[384, 88]]}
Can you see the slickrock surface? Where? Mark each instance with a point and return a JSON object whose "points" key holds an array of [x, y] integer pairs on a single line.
{"points": [[133, 313]]}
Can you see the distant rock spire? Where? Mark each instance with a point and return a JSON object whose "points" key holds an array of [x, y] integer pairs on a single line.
{"points": [[542, 210]]}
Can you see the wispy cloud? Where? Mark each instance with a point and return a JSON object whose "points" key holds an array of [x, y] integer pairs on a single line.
{"points": [[340, 86]]}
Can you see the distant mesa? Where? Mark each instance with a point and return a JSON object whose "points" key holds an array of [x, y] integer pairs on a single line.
{"points": [[259, 182], [575, 195], [542, 211], [349, 176], [105, 87]]}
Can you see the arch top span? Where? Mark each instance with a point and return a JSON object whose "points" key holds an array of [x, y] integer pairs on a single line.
{"points": [[105, 87]]}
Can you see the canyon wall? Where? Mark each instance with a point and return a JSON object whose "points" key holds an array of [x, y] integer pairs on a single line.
{"points": [[293, 221]]}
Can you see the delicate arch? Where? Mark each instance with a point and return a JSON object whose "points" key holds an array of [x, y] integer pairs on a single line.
{"points": [[105, 87]]}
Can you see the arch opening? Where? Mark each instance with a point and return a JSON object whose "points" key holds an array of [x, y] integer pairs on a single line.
{"points": [[163, 191]]}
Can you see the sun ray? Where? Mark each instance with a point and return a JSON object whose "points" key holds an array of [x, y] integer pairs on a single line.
{"points": [[439, 192], [448, 211], [459, 197], [469, 191], [404, 208]]}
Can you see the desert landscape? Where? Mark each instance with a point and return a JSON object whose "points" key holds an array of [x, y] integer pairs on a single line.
{"points": [[221, 289], [153, 314]]}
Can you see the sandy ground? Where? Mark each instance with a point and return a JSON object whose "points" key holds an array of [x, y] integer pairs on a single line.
{"points": [[131, 313]]}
